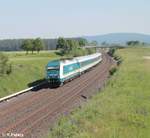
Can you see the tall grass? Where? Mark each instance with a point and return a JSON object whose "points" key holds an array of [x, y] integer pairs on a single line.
{"points": [[121, 110]]}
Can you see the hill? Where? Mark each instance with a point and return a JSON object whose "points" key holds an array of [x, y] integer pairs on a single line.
{"points": [[119, 38]]}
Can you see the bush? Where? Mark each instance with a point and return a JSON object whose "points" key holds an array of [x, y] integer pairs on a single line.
{"points": [[9, 69], [5, 67], [112, 71], [119, 62], [118, 59], [111, 51]]}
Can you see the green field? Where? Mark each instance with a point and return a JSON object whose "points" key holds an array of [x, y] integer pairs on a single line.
{"points": [[25, 69], [121, 110]]}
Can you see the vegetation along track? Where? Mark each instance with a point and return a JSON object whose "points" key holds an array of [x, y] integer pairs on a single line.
{"points": [[30, 113]]}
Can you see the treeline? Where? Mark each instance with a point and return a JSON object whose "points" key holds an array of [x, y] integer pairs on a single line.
{"points": [[135, 43], [15, 44]]}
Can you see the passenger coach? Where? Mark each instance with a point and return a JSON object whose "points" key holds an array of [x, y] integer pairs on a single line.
{"points": [[60, 71]]}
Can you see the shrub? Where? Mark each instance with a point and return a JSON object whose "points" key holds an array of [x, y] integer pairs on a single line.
{"points": [[112, 51], [9, 69], [5, 67], [112, 71], [119, 62], [118, 59]]}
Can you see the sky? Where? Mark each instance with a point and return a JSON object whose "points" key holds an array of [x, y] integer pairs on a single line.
{"points": [[72, 18]]}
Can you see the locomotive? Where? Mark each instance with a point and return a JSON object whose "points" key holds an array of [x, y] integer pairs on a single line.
{"points": [[60, 71]]}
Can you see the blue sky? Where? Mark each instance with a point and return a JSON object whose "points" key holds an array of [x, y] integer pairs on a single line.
{"points": [[54, 18]]}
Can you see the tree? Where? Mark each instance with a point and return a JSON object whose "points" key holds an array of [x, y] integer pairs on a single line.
{"points": [[38, 45], [72, 44], [61, 42], [32, 47], [82, 42], [133, 43], [27, 45], [68, 45], [65, 45], [94, 43]]}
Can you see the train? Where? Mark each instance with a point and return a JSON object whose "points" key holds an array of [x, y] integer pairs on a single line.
{"points": [[60, 71]]}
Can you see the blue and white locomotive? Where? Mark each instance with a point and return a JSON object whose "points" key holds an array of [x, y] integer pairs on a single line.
{"points": [[60, 71]]}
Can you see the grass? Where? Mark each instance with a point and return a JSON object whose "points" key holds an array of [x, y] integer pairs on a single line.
{"points": [[121, 110], [25, 69]]}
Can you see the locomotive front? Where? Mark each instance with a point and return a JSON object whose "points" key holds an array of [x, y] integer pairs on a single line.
{"points": [[53, 72]]}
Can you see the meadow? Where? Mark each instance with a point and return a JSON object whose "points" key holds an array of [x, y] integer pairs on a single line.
{"points": [[29, 68], [26, 69], [121, 110]]}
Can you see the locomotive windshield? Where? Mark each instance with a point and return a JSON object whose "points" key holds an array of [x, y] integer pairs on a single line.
{"points": [[52, 68], [53, 71]]}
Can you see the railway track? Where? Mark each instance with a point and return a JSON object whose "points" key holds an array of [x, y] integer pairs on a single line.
{"points": [[32, 97], [32, 114]]}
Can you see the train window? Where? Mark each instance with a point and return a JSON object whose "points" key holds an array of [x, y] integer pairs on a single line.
{"points": [[70, 68], [85, 63], [52, 68], [53, 71]]}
